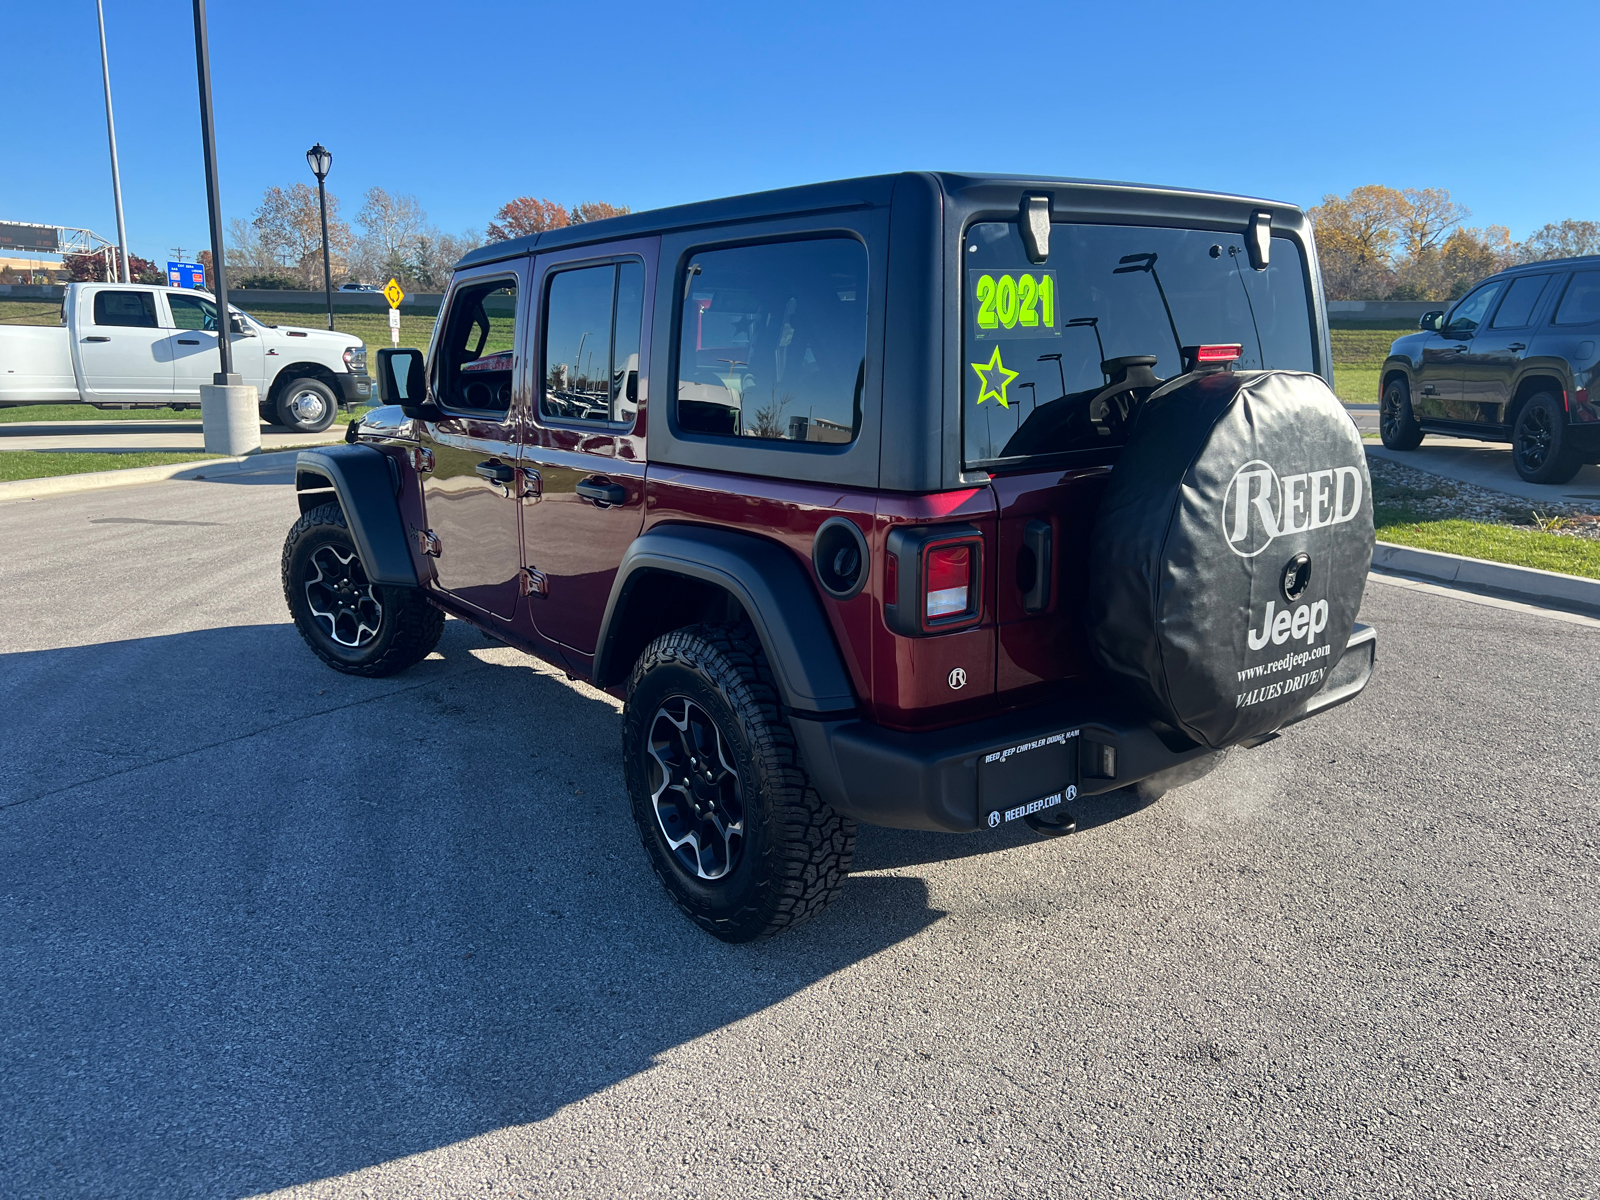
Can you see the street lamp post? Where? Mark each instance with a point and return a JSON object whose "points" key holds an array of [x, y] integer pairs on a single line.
{"points": [[319, 160], [111, 133]]}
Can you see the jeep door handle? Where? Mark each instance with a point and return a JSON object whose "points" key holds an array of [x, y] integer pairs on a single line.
{"points": [[1517, 346], [495, 472], [1458, 349], [601, 491], [97, 339]]}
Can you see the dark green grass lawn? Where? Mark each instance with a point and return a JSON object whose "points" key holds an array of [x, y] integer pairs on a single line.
{"points": [[37, 464]]}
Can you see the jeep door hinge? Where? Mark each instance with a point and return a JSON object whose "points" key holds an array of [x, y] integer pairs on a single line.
{"points": [[428, 541], [534, 582]]}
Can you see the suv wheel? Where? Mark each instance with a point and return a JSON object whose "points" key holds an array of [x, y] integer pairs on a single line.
{"points": [[732, 825], [306, 406], [352, 624], [1397, 425], [1540, 447]]}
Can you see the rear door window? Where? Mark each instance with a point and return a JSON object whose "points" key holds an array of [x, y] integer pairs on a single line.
{"points": [[773, 342], [591, 344], [125, 309], [1042, 341], [477, 352], [1522, 297], [1580, 304]]}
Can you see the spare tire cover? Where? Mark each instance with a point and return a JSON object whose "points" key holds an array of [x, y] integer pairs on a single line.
{"points": [[1196, 603]]}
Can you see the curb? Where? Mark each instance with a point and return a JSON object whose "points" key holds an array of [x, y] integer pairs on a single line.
{"points": [[90, 481], [1550, 588]]}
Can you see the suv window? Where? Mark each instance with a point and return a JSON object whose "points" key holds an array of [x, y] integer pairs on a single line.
{"points": [[1469, 314], [191, 312], [1581, 303], [774, 341], [1522, 297], [1036, 336], [137, 309], [591, 343], [478, 349]]}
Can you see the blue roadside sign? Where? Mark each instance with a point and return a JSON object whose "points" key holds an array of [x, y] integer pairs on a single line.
{"points": [[186, 275]]}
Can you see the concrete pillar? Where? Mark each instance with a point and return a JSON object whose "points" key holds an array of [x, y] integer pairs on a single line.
{"points": [[231, 417]]}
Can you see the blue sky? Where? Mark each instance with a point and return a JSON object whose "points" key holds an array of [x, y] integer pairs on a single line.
{"points": [[467, 103]]}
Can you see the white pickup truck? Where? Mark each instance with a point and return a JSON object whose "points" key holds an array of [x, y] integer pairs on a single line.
{"points": [[129, 346]]}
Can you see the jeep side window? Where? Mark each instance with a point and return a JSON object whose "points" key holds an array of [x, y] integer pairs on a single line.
{"points": [[1580, 305], [774, 341], [128, 309], [591, 343], [478, 350]]}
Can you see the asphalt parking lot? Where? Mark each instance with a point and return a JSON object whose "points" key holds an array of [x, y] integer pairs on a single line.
{"points": [[266, 927]]}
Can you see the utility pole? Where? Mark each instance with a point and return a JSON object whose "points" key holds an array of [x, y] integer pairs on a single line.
{"points": [[111, 132], [229, 409]]}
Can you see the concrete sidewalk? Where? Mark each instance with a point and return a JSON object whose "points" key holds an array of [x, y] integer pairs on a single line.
{"points": [[114, 437], [1488, 465]]}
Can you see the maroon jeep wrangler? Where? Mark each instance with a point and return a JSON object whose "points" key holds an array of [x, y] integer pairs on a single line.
{"points": [[931, 501]]}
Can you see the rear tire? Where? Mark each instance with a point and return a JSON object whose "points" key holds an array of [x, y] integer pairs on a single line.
{"points": [[306, 405], [355, 626], [734, 828], [1397, 424], [1541, 448]]}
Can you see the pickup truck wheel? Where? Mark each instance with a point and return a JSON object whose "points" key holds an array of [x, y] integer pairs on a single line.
{"points": [[350, 623], [1397, 424], [1540, 448], [306, 406], [731, 823]]}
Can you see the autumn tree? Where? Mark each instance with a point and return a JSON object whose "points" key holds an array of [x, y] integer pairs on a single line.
{"points": [[289, 226], [101, 268], [1356, 235], [597, 210], [1426, 217], [1564, 239], [526, 215]]}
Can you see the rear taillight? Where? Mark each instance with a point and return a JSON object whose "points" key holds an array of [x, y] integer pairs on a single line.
{"points": [[948, 580], [933, 579]]}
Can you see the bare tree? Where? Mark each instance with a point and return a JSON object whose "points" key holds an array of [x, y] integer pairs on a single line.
{"points": [[289, 227], [390, 228], [1564, 239], [1426, 217]]}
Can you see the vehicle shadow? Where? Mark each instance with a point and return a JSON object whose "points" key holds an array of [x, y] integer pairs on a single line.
{"points": [[261, 924]]}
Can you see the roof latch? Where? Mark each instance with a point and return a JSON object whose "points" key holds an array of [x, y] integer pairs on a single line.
{"points": [[1259, 242], [1036, 227]]}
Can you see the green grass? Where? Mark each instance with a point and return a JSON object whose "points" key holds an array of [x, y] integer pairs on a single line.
{"points": [[85, 412], [1358, 355], [30, 312], [1498, 543], [37, 464]]}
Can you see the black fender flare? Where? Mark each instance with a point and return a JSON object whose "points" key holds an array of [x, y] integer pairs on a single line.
{"points": [[366, 481], [770, 584]]}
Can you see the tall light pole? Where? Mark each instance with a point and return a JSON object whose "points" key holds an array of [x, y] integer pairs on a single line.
{"points": [[208, 138], [320, 161], [111, 132]]}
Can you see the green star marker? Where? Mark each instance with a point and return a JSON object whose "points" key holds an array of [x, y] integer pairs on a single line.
{"points": [[984, 375]]}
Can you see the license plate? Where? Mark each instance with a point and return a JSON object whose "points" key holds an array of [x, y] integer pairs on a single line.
{"points": [[1026, 778]]}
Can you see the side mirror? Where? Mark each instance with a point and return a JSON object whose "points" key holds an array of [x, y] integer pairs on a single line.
{"points": [[403, 380], [237, 326], [1432, 320]]}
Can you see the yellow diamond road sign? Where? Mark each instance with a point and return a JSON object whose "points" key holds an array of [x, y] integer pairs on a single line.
{"points": [[393, 294]]}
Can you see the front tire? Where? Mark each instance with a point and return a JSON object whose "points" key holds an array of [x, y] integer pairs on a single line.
{"points": [[1541, 448], [1397, 424], [732, 824], [306, 405], [352, 624]]}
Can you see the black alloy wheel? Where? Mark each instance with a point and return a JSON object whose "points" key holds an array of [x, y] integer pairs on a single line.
{"points": [[1540, 448], [1397, 424], [352, 624], [732, 824], [694, 789]]}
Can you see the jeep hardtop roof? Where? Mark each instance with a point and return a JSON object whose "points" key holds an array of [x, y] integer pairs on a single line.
{"points": [[972, 193]]}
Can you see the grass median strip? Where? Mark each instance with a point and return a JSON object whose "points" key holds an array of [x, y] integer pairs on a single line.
{"points": [[1499, 543], [39, 464]]}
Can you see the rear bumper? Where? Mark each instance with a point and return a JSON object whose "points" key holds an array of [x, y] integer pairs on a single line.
{"points": [[940, 780]]}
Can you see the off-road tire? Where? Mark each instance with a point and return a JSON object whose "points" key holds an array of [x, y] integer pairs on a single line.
{"points": [[1397, 424], [795, 852], [1541, 448], [407, 630], [284, 411]]}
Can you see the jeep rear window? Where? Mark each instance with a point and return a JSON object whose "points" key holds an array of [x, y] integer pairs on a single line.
{"points": [[1036, 335], [774, 341]]}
